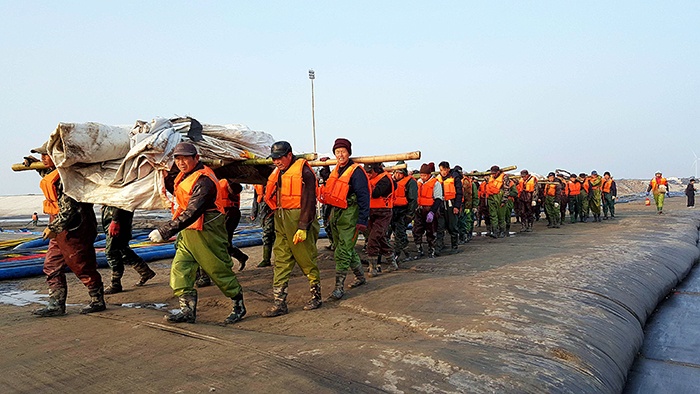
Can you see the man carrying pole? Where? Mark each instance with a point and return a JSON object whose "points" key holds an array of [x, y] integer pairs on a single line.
{"points": [[291, 194], [267, 222], [585, 187], [528, 192], [470, 192], [381, 204], [552, 200], [574, 198], [405, 204], [497, 192], [429, 202], [453, 194], [202, 240], [347, 190]]}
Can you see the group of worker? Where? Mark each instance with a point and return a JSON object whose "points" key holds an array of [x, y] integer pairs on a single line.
{"points": [[356, 200]]}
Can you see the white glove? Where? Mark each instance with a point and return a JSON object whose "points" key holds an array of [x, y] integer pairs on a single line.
{"points": [[534, 203], [614, 198], [556, 205], [155, 236]]}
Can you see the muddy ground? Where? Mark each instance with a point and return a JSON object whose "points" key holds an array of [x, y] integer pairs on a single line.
{"points": [[487, 319]]}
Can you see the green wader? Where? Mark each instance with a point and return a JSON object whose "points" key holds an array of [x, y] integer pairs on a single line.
{"points": [[554, 213], [575, 207], [659, 200], [510, 203], [608, 204], [345, 235], [584, 203], [497, 212], [594, 204], [466, 222], [207, 249], [287, 254]]}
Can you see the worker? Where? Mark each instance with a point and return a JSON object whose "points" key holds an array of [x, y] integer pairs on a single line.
{"points": [[552, 192], [326, 209], [497, 192], [291, 194], [71, 230], [585, 187], [453, 194], [429, 201], [574, 198], [117, 224], [202, 240], [267, 222], [690, 193], [35, 219], [659, 186], [470, 201], [595, 195], [564, 198], [231, 202], [483, 211], [381, 206], [405, 204], [347, 190], [510, 204], [528, 192], [609, 189]]}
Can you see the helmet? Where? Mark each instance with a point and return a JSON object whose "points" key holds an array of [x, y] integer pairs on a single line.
{"points": [[280, 149]]}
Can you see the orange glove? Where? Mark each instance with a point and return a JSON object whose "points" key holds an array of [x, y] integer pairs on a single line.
{"points": [[299, 236], [248, 155]]}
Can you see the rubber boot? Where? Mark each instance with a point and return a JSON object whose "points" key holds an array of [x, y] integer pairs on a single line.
{"points": [[549, 223], [280, 306], [605, 217], [359, 277], [238, 255], [379, 264], [421, 253], [97, 301], [339, 290], [203, 279], [470, 236], [238, 310], [116, 285], [145, 271], [57, 303], [315, 302], [508, 230], [188, 310], [529, 227], [431, 253], [267, 255], [372, 272], [557, 222], [393, 266]]}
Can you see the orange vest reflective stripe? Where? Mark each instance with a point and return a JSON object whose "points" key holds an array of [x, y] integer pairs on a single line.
{"points": [[574, 188], [494, 185], [381, 202], [448, 188], [48, 186], [400, 199], [183, 192], [425, 192], [335, 192], [260, 193], [607, 185], [551, 190], [289, 192]]}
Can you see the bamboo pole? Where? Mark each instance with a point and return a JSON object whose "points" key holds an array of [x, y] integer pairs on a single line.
{"points": [[370, 159], [37, 165], [486, 173], [396, 167]]}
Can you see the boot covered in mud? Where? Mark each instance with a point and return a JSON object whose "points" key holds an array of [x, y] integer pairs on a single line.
{"points": [[188, 310], [470, 235], [373, 271], [238, 254], [238, 309], [267, 256], [315, 302], [557, 222], [97, 301], [116, 282], [359, 277], [393, 265], [339, 290], [279, 307], [203, 280], [421, 253], [57, 303], [550, 223], [144, 271]]}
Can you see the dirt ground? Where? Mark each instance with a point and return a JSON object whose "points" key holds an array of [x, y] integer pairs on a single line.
{"points": [[399, 333]]}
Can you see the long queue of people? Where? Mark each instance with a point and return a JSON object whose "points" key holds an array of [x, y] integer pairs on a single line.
{"points": [[356, 200]]}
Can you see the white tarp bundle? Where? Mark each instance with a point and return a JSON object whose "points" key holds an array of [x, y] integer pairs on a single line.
{"points": [[125, 166]]}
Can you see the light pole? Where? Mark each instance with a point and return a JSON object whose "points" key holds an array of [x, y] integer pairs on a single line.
{"points": [[312, 76]]}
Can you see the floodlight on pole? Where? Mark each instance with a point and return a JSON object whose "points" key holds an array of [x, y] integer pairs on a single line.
{"points": [[312, 76]]}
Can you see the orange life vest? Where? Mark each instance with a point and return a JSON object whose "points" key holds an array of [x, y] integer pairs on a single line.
{"points": [[607, 185], [574, 188], [400, 199], [586, 185], [656, 182], [551, 190], [494, 185], [335, 192], [381, 202], [226, 200], [425, 192], [259, 193], [528, 186], [289, 193], [565, 189], [48, 186], [183, 192], [593, 187], [482, 189], [448, 188]]}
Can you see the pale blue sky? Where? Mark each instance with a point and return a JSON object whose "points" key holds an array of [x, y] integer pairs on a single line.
{"points": [[543, 85]]}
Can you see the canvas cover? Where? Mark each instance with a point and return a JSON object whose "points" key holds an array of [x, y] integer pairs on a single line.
{"points": [[125, 166]]}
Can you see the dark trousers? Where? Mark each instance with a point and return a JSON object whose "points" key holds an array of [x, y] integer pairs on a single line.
{"points": [[379, 221], [399, 225], [691, 200], [74, 249], [420, 227], [447, 222]]}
